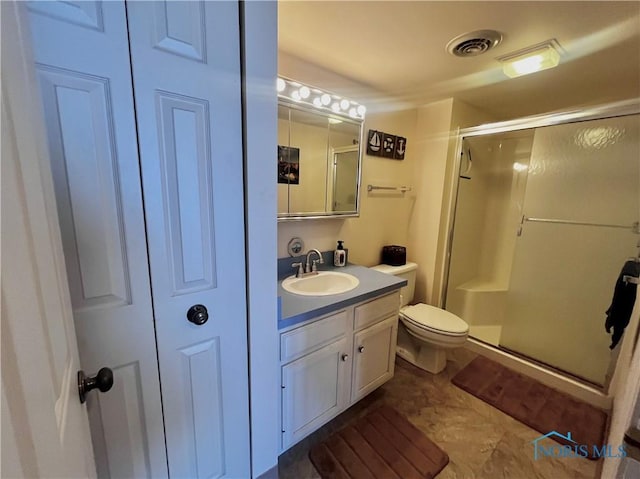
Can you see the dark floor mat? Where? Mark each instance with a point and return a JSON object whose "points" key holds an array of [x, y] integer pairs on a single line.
{"points": [[534, 404], [383, 444]]}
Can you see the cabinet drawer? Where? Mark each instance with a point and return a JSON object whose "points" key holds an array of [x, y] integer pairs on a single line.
{"points": [[306, 339], [376, 309]]}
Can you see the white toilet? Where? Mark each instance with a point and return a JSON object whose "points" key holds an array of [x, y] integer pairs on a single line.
{"points": [[425, 331]]}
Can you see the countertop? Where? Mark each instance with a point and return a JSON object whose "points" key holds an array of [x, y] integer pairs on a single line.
{"points": [[295, 308]]}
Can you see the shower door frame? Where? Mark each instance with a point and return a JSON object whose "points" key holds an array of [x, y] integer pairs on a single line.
{"points": [[599, 112]]}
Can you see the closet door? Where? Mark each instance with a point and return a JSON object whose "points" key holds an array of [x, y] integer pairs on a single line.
{"points": [[186, 75], [82, 55]]}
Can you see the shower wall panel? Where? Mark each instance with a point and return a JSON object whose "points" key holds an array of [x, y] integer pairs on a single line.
{"points": [[487, 217]]}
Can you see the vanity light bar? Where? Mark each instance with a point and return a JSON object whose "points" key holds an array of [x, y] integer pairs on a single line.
{"points": [[299, 93]]}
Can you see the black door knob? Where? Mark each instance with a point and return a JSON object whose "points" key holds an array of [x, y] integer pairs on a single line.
{"points": [[198, 314], [102, 381]]}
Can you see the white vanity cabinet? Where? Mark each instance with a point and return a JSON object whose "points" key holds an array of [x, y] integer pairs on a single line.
{"points": [[332, 362], [316, 373]]}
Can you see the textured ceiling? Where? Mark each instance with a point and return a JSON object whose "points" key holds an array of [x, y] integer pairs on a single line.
{"points": [[394, 52]]}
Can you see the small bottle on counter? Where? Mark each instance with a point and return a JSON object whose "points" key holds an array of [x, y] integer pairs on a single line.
{"points": [[340, 255]]}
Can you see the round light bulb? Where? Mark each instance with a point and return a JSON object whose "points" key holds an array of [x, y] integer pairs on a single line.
{"points": [[361, 110], [281, 85], [353, 113], [295, 94], [326, 99], [336, 107], [344, 104], [317, 102], [305, 92]]}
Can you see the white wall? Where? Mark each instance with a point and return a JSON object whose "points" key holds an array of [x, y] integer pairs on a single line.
{"points": [[432, 142], [384, 217], [259, 49], [418, 220]]}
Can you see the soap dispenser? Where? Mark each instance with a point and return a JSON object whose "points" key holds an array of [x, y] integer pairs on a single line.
{"points": [[340, 255]]}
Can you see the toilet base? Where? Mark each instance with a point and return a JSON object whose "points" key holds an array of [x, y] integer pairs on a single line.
{"points": [[425, 356]]}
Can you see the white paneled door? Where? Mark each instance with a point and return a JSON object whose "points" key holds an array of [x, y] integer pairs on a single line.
{"points": [[145, 96], [45, 432], [186, 76]]}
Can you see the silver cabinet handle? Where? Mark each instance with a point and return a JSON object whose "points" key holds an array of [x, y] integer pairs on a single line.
{"points": [[345, 357], [361, 349]]}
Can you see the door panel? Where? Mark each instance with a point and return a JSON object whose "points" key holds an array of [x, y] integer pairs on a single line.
{"points": [[87, 188], [83, 66], [203, 406], [187, 94], [179, 29], [185, 151]]}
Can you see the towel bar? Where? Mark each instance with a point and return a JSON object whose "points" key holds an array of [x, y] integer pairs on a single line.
{"points": [[634, 227], [401, 189]]}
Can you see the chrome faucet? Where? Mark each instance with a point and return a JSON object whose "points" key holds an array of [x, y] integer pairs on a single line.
{"points": [[311, 266]]}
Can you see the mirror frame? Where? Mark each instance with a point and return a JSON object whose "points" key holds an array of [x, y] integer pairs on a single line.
{"points": [[296, 216]]}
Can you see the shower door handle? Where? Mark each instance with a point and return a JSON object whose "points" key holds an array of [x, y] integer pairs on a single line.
{"points": [[520, 226]]}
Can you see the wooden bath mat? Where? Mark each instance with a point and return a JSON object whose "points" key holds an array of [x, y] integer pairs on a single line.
{"points": [[532, 403], [383, 444]]}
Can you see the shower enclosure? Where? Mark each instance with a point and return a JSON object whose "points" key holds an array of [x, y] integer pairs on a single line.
{"points": [[544, 219]]}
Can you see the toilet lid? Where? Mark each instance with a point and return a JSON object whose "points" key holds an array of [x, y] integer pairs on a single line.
{"points": [[435, 318]]}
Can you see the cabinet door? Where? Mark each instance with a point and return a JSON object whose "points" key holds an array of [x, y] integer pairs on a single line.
{"points": [[314, 389], [374, 350]]}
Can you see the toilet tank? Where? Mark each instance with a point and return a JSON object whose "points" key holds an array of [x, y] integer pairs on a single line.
{"points": [[406, 271]]}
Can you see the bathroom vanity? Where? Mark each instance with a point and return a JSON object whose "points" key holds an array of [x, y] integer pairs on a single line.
{"points": [[334, 350]]}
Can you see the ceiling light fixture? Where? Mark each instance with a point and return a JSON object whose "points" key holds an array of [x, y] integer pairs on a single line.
{"points": [[297, 92], [533, 59]]}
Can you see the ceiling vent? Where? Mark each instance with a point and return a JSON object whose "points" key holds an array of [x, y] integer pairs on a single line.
{"points": [[474, 43]]}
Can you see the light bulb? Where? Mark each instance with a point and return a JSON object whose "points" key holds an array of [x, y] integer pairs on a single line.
{"points": [[353, 113], [326, 99], [336, 107], [281, 85], [361, 110], [317, 102], [344, 104], [304, 92], [295, 94]]}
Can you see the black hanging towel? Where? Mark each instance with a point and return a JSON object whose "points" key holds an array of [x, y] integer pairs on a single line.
{"points": [[624, 297]]}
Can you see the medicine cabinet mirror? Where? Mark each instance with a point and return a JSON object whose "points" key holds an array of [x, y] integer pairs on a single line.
{"points": [[319, 158]]}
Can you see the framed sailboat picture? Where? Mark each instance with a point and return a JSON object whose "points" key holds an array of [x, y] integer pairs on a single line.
{"points": [[374, 143]]}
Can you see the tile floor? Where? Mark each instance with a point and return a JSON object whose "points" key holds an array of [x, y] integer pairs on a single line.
{"points": [[482, 442]]}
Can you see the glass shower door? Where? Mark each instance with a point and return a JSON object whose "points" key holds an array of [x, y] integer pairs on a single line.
{"points": [[581, 201]]}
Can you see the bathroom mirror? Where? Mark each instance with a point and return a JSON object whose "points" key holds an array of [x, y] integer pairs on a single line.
{"points": [[319, 162]]}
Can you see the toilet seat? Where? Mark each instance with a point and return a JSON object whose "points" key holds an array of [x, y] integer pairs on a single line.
{"points": [[435, 320]]}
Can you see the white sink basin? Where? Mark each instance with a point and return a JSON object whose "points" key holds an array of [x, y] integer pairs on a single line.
{"points": [[324, 283]]}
